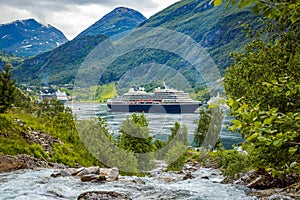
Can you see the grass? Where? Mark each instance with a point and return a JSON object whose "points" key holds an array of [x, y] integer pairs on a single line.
{"points": [[69, 151], [95, 93]]}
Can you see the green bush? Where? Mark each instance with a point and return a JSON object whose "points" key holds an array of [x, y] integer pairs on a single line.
{"points": [[5, 124], [175, 157], [230, 161]]}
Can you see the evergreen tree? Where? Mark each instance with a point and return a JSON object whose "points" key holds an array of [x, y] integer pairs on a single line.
{"points": [[178, 142], [135, 134], [135, 137], [202, 127], [179, 133], [7, 90]]}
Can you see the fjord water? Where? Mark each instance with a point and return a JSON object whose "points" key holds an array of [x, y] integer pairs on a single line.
{"points": [[37, 184], [159, 123]]}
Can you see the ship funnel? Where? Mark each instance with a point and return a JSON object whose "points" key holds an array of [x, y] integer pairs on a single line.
{"points": [[164, 85]]}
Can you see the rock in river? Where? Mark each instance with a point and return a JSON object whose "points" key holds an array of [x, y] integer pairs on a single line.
{"points": [[103, 195]]}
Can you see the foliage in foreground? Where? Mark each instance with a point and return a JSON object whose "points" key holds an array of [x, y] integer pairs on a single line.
{"points": [[230, 162], [263, 85]]}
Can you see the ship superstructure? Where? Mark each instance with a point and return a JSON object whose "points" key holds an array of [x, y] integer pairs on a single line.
{"points": [[161, 100]]}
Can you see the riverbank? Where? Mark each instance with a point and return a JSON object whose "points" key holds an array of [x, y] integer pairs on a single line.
{"points": [[266, 187], [261, 184]]}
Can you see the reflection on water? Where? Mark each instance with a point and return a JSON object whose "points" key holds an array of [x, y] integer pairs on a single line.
{"points": [[159, 123]]}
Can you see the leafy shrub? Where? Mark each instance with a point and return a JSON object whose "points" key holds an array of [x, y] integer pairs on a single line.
{"points": [[176, 157], [230, 161]]}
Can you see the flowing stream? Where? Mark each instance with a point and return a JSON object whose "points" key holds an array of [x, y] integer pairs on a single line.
{"points": [[37, 184]]}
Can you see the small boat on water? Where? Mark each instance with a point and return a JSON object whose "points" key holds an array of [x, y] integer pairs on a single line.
{"points": [[162, 100]]}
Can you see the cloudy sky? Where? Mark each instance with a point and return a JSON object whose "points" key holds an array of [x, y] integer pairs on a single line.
{"points": [[73, 16]]}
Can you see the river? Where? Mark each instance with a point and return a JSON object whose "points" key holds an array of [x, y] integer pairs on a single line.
{"points": [[38, 185]]}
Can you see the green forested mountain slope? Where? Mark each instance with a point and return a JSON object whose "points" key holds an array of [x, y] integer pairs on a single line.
{"points": [[216, 29], [58, 66]]}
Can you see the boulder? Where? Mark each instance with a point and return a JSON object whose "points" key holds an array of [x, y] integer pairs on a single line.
{"points": [[11, 163], [94, 170], [103, 195], [87, 171], [83, 172], [111, 174], [138, 181], [61, 173], [93, 173], [75, 171], [188, 176], [92, 177], [167, 179]]}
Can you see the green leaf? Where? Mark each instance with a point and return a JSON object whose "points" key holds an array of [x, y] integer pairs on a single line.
{"points": [[262, 139], [267, 130], [252, 137], [274, 110], [290, 86], [293, 164], [277, 143], [257, 124], [244, 3], [237, 123], [279, 135], [217, 2], [268, 121], [273, 172], [294, 18], [233, 1], [292, 150], [292, 6], [256, 9]]}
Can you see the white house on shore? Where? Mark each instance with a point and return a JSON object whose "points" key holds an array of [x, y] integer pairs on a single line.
{"points": [[58, 95]]}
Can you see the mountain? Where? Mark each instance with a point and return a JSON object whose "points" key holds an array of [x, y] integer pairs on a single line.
{"points": [[29, 38], [117, 21], [216, 29], [58, 66]]}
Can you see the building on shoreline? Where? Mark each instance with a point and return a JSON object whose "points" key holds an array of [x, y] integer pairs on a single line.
{"points": [[58, 95]]}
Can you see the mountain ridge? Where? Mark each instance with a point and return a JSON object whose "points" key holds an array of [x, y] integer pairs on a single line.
{"points": [[119, 20], [58, 65], [28, 37]]}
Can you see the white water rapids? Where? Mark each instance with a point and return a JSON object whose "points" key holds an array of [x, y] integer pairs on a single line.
{"points": [[38, 185]]}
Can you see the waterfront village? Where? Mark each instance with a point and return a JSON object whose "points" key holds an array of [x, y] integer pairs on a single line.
{"points": [[40, 93]]}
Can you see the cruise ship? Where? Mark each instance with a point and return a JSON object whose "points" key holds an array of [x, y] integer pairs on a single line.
{"points": [[162, 100]]}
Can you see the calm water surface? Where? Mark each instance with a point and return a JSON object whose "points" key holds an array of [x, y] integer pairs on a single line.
{"points": [[159, 123]]}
